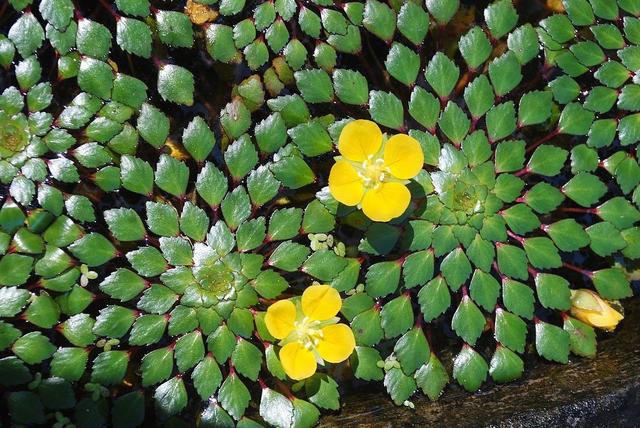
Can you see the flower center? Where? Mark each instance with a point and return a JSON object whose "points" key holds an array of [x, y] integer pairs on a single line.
{"points": [[308, 332], [372, 172]]}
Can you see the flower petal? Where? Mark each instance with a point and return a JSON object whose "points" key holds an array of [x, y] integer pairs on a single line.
{"points": [[321, 302], [297, 361], [359, 139], [337, 343], [386, 202], [606, 320], [344, 184], [280, 318], [403, 156]]}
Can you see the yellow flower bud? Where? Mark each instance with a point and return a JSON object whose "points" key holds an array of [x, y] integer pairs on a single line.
{"points": [[590, 308]]}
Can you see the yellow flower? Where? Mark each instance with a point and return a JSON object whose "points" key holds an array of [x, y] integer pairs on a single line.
{"points": [[309, 332], [592, 309], [372, 171]]}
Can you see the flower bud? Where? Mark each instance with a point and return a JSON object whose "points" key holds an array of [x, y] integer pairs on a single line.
{"points": [[590, 308]]}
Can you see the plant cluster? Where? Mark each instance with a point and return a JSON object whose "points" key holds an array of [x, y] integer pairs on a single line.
{"points": [[172, 245]]}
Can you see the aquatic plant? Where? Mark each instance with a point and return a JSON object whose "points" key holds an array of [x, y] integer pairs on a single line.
{"points": [[203, 201]]}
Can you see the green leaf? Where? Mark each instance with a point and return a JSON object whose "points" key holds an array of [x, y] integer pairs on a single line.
{"points": [[512, 261], [136, 175], [379, 19], [413, 22], [454, 123], [412, 350], [611, 283], [501, 17], [125, 224], [552, 342], [505, 365], [575, 120], [509, 156], [153, 125], [567, 235], [27, 34], [432, 377], [541, 253], [69, 363], [501, 121], [605, 238], [134, 36], [484, 289], [469, 369], [33, 348], [582, 337], [157, 366], [579, 12], [247, 359], [234, 396], [206, 377], [619, 212], [314, 85], [275, 408], [382, 278], [442, 11], [510, 330], [78, 330], [170, 397], [25, 407], [176, 84], [147, 329], [442, 74], [434, 298], [468, 321], [189, 350], [172, 175], [399, 386], [402, 63], [109, 367], [475, 47], [547, 160], [523, 42], [456, 268], [365, 363], [322, 391], [95, 77], [174, 29], [351, 86], [397, 316], [585, 189], [505, 72], [15, 269], [520, 219], [534, 108], [271, 133], [424, 107], [93, 39], [386, 109]]}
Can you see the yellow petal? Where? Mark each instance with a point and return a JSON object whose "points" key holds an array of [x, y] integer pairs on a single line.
{"points": [[403, 156], [606, 320], [280, 318], [344, 184], [359, 139], [386, 202], [321, 302], [337, 343], [297, 361]]}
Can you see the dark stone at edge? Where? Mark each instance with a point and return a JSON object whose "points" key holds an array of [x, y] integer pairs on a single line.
{"points": [[602, 392]]}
